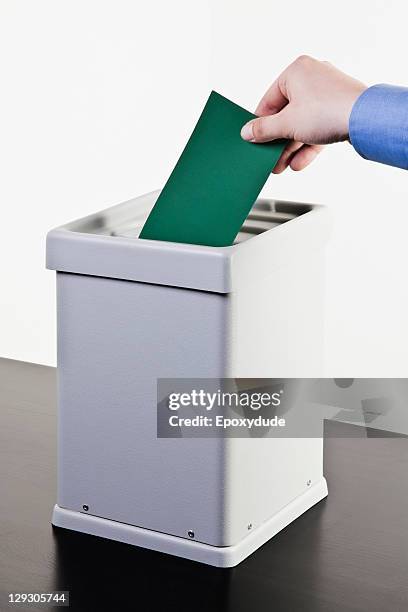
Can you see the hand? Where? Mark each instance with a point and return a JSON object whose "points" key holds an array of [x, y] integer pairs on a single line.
{"points": [[310, 105]]}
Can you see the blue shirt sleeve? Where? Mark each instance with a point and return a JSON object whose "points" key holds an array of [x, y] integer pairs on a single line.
{"points": [[378, 126]]}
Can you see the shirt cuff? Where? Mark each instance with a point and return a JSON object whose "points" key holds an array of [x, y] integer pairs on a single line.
{"points": [[378, 125]]}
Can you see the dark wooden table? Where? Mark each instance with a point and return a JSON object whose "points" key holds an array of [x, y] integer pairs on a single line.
{"points": [[349, 552]]}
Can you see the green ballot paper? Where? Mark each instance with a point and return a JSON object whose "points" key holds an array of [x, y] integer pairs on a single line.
{"points": [[215, 182]]}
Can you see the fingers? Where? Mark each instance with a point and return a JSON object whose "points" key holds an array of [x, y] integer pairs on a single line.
{"points": [[286, 156], [296, 155], [304, 156], [267, 128], [273, 101]]}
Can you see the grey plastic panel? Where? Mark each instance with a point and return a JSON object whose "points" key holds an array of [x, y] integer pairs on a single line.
{"points": [[115, 338]]}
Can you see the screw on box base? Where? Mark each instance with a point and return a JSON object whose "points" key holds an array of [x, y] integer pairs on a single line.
{"points": [[218, 556]]}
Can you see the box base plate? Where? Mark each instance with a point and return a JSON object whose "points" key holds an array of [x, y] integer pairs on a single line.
{"points": [[218, 556]]}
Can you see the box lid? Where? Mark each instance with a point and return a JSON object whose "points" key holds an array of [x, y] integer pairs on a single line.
{"points": [[106, 244]]}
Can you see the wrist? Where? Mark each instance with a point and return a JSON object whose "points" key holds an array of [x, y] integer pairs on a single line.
{"points": [[354, 97]]}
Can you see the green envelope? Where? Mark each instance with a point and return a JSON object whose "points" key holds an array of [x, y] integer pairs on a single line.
{"points": [[215, 182]]}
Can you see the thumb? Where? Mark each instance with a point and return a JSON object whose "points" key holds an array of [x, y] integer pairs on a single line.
{"points": [[270, 127]]}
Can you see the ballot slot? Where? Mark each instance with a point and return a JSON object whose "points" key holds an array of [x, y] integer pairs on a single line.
{"points": [[264, 216], [127, 222]]}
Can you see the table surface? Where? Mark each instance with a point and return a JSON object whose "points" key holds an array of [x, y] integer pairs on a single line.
{"points": [[350, 552]]}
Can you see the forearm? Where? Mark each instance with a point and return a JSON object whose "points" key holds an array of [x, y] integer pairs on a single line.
{"points": [[378, 125]]}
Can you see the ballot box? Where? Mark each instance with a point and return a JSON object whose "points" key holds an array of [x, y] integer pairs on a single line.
{"points": [[132, 311]]}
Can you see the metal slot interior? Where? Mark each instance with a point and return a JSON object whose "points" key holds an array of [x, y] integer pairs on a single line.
{"points": [[267, 214]]}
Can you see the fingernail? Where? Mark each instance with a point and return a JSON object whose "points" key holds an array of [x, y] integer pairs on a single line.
{"points": [[247, 132]]}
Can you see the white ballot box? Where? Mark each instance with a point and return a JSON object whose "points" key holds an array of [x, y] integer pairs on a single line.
{"points": [[131, 311]]}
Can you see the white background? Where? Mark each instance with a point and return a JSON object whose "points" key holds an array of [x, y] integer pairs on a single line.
{"points": [[98, 98]]}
